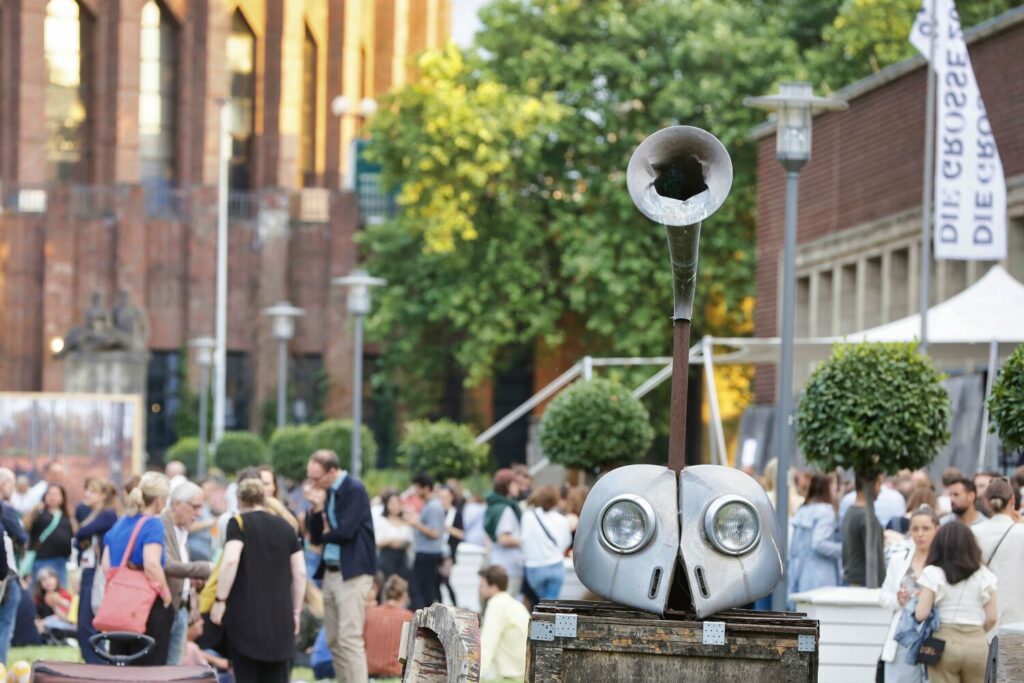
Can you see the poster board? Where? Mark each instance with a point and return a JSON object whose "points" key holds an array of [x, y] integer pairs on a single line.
{"points": [[91, 435]]}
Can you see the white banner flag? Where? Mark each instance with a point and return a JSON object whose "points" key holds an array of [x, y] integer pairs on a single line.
{"points": [[970, 189]]}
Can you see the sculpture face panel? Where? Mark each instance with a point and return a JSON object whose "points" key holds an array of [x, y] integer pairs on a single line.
{"points": [[705, 540]]}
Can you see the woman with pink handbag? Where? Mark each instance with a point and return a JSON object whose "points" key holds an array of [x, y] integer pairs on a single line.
{"points": [[137, 597]]}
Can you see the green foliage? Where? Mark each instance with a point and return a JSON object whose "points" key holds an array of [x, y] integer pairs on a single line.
{"points": [[238, 450], [865, 36], [186, 450], [336, 435], [1006, 405], [515, 212], [376, 480], [290, 450], [873, 407], [595, 423], [443, 449]]}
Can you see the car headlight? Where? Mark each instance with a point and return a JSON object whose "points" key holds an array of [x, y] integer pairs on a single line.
{"points": [[732, 525], [627, 523]]}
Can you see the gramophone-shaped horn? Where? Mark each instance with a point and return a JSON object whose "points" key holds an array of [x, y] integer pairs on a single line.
{"points": [[678, 177]]}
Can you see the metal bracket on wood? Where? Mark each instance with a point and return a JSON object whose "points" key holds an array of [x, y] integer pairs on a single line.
{"points": [[542, 630], [806, 644], [565, 625], [714, 633]]}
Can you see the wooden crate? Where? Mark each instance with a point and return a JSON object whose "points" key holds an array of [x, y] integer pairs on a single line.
{"points": [[612, 642]]}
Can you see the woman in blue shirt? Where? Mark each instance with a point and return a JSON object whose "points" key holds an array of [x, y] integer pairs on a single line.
{"points": [[100, 499], [146, 502], [815, 552]]}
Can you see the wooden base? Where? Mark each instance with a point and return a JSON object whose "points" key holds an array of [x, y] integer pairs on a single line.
{"points": [[614, 643]]}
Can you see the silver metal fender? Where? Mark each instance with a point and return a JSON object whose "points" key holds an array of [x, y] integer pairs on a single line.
{"points": [[640, 579]]}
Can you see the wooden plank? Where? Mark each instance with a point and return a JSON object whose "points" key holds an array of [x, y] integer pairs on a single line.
{"points": [[612, 645], [1010, 664]]}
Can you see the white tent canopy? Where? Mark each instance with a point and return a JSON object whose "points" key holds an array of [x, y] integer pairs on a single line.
{"points": [[992, 309], [960, 329]]}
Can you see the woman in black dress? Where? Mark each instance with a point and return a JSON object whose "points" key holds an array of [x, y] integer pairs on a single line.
{"points": [[260, 589]]}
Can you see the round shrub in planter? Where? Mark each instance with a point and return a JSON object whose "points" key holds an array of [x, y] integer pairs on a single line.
{"points": [[1007, 402], [595, 423], [336, 435], [290, 451], [238, 450], [185, 450], [443, 449]]}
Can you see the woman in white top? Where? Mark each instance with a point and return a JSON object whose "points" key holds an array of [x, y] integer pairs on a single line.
{"points": [[1001, 540], [394, 537], [963, 592], [906, 564], [546, 537]]}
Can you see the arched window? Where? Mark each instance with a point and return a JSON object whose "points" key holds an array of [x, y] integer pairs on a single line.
{"points": [[307, 142], [158, 95], [66, 46], [241, 54]]}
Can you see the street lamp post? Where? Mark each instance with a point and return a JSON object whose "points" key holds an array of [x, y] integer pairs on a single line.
{"points": [[283, 316], [359, 303], [204, 348], [794, 105]]}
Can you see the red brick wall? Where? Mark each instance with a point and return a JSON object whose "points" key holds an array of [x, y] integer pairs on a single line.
{"points": [[867, 163]]}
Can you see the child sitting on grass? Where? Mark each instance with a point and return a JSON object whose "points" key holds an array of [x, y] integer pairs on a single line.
{"points": [[194, 656]]}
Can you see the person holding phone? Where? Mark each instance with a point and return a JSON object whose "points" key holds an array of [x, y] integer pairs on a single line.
{"points": [[905, 567]]}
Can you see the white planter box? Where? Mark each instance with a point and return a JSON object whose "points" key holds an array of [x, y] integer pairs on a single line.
{"points": [[853, 629]]}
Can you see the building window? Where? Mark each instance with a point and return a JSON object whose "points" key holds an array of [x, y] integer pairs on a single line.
{"points": [[824, 311], [238, 391], [163, 388], [900, 304], [66, 45], [158, 95], [308, 388], [873, 292], [241, 56], [307, 143]]}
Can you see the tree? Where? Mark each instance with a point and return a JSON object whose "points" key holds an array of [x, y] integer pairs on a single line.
{"points": [[1006, 404], [238, 450], [866, 36], [290, 450], [515, 214], [443, 449], [595, 423], [336, 435], [873, 408], [186, 451]]}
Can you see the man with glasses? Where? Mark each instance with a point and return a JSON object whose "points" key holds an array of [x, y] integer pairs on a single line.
{"points": [[344, 526], [183, 576]]}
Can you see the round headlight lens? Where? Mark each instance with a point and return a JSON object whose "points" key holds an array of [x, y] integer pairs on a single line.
{"points": [[627, 524], [732, 525]]}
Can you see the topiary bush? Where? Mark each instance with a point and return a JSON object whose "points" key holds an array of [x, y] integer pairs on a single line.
{"points": [[596, 423], [443, 449], [238, 450], [376, 480], [1006, 404], [336, 435], [185, 450], [874, 408], [290, 451]]}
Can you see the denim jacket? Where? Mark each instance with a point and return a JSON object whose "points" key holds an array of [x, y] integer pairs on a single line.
{"points": [[815, 552], [910, 633]]}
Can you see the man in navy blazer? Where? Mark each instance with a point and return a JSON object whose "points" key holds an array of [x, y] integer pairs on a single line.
{"points": [[344, 526]]}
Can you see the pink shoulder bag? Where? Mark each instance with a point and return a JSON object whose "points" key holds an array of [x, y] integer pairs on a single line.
{"points": [[129, 596]]}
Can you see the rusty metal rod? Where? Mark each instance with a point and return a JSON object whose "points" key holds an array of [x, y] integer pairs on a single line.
{"points": [[680, 378]]}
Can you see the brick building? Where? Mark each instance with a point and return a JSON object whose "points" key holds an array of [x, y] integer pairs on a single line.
{"points": [[859, 217], [109, 167]]}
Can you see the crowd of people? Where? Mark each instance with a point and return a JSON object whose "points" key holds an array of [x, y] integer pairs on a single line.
{"points": [[946, 558], [253, 577]]}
